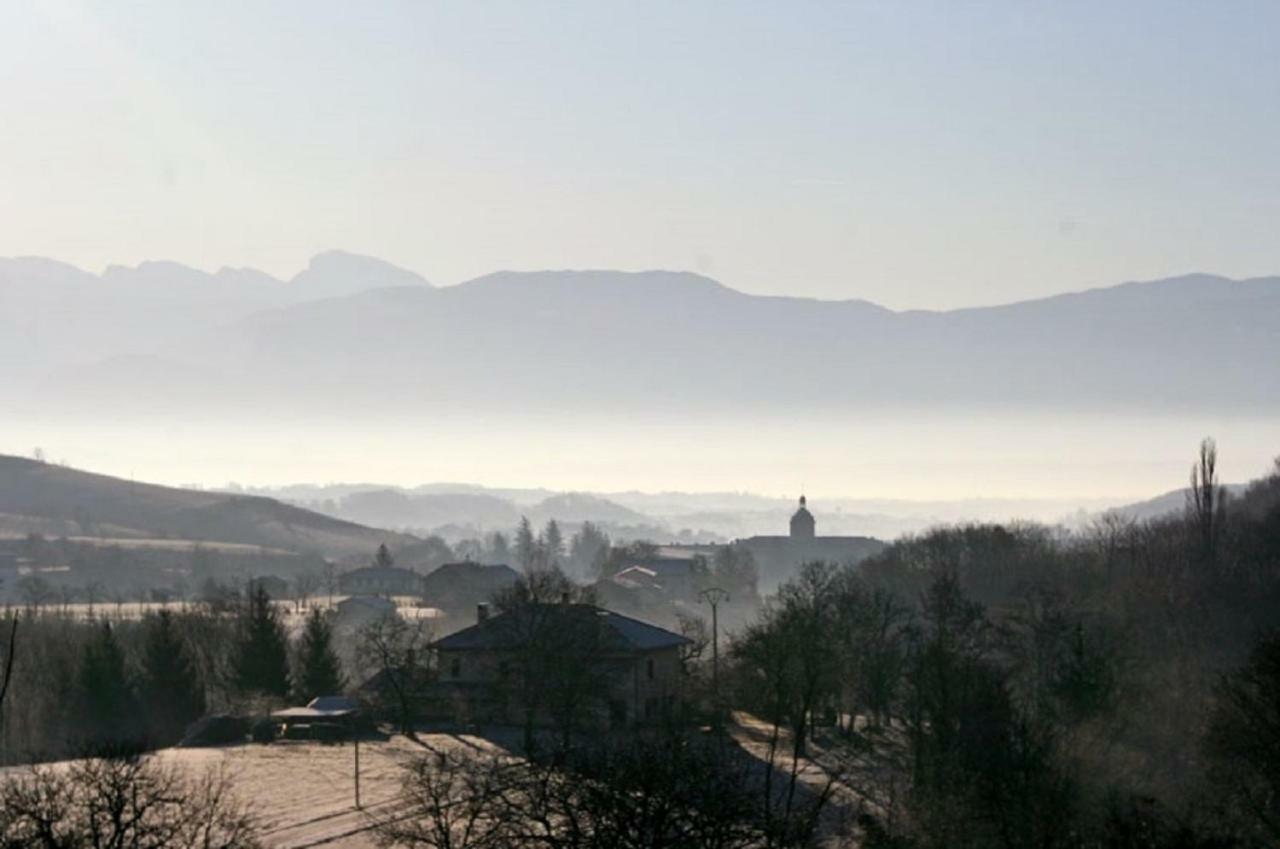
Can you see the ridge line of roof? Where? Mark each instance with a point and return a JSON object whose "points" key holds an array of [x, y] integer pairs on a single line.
{"points": [[476, 626]]}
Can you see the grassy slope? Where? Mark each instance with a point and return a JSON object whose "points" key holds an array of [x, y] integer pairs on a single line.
{"points": [[39, 494]]}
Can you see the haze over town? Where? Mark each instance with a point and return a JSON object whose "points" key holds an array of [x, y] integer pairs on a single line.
{"points": [[748, 425]]}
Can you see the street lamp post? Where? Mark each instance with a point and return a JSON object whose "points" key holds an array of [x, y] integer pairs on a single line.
{"points": [[713, 596], [356, 770]]}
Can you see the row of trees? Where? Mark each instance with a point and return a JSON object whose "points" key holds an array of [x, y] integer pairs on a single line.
{"points": [[78, 686], [663, 788], [104, 577], [582, 555], [123, 801]]}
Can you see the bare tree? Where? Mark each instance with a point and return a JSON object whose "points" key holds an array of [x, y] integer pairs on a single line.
{"points": [[639, 791], [699, 635], [396, 650], [36, 592], [331, 579], [455, 800], [559, 662], [305, 585], [1244, 737], [10, 652], [127, 801], [1206, 502]]}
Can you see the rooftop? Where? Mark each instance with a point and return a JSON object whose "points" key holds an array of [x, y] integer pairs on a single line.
{"points": [[332, 707], [504, 631], [468, 569]]}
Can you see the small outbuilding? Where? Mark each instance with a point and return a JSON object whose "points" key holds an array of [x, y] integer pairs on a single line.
{"points": [[323, 718]]}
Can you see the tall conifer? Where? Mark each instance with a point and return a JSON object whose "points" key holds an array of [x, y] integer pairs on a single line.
{"points": [[261, 659], [319, 671]]}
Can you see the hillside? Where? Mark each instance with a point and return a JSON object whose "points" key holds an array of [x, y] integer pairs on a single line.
{"points": [[1170, 503], [37, 496]]}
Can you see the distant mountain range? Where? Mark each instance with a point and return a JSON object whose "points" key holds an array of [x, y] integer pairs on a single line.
{"points": [[53, 500], [350, 332]]}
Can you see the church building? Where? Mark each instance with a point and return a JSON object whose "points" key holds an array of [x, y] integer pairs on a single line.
{"points": [[780, 557]]}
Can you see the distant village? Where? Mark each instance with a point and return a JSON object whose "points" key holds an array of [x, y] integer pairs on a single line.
{"points": [[650, 597]]}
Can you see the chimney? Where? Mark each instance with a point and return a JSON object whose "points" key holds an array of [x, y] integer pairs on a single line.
{"points": [[482, 612]]}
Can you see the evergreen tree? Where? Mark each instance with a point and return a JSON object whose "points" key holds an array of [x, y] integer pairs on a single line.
{"points": [[106, 705], [588, 550], [319, 671], [172, 692], [261, 659], [526, 546], [499, 548], [383, 559], [552, 544]]}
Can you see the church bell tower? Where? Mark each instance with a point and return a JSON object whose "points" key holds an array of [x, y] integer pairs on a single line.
{"points": [[802, 524]]}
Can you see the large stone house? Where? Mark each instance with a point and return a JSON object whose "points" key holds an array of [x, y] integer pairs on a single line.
{"points": [[380, 580], [621, 671], [456, 588]]}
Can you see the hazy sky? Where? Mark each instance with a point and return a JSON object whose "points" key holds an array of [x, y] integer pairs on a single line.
{"points": [[920, 454], [914, 154]]}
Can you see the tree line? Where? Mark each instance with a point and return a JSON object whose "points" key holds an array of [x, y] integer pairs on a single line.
{"points": [[77, 687], [1008, 686]]}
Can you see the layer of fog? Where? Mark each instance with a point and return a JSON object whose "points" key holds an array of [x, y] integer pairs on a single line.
{"points": [[1011, 463]]}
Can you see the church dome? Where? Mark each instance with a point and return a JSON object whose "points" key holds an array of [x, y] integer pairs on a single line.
{"points": [[802, 523]]}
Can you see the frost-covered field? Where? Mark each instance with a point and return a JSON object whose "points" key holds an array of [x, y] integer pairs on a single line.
{"points": [[293, 613], [303, 793]]}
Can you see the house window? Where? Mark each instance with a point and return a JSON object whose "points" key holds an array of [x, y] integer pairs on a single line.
{"points": [[455, 668], [650, 670]]}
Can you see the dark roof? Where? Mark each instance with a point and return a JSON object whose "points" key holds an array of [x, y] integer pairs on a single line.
{"points": [[394, 572], [381, 680], [503, 632], [486, 574]]}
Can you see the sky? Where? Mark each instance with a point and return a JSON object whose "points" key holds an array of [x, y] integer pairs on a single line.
{"points": [[918, 155]]}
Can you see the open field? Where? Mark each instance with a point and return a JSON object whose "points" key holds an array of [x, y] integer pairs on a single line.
{"points": [[304, 792], [145, 544], [293, 614]]}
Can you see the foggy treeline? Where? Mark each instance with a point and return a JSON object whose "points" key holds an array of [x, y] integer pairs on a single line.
{"points": [[101, 578], [1017, 687]]}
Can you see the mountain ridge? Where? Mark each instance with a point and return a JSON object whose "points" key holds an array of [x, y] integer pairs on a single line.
{"points": [[614, 341], [335, 260]]}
